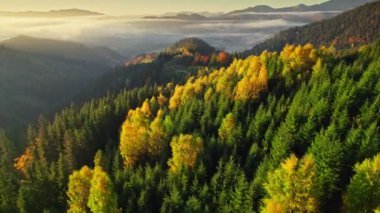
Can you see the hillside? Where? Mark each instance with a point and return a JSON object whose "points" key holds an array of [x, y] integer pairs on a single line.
{"points": [[331, 5], [352, 28], [174, 63], [63, 49], [226, 140], [191, 128], [33, 83]]}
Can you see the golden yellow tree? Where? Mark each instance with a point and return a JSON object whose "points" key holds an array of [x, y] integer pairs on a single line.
{"points": [[185, 149], [290, 188], [134, 137], [79, 189], [102, 198]]}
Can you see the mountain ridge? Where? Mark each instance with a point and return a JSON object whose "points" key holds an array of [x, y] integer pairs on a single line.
{"points": [[52, 13], [63, 49], [354, 27]]}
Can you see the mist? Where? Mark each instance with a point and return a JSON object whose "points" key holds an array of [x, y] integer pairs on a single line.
{"points": [[131, 36]]}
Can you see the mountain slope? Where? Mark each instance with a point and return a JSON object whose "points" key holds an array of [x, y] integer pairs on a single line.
{"points": [[32, 83], [174, 63], [332, 5], [63, 49], [227, 140], [355, 27]]}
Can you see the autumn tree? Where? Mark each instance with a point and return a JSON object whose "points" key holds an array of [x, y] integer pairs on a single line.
{"points": [[102, 198], [253, 82], [290, 187], [222, 58], [186, 150], [363, 192], [142, 138], [134, 136], [79, 189], [230, 131]]}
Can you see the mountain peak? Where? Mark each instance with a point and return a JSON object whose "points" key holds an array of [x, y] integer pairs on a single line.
{"points": [[193, 45]]}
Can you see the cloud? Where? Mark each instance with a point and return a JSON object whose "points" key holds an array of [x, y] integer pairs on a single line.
{"points": [[132, 36]]}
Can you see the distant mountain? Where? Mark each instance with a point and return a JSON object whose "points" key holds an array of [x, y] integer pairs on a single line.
{"points": [[332, 5], [358, 26], [63, 49], [299, 13], [181, 16], [43, 75], [51, 13]]}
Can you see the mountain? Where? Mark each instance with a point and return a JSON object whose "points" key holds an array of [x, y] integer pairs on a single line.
{"points": [[181, 16], [291, 132], [41, 76], [332, 5], [355, 27], [191, 45], [51, 13], [63, 49], [174, 63]]}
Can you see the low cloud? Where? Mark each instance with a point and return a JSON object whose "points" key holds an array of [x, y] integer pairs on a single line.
{"points": [[131, 36]]}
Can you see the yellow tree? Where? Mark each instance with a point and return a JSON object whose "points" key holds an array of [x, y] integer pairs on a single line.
{"points": [[78, 190], [185, 149], [290, 188], [363, 192], [134, 137], [102, 198], [157, 135]]}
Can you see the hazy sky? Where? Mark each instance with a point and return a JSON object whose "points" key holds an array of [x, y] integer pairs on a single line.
{"points": [[135, 7]]}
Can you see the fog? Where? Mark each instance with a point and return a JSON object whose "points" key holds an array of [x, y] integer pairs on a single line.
{"points": [[132, 35]]}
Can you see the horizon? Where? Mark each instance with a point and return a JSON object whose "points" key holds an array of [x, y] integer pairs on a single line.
{"points": [[134, 7]]}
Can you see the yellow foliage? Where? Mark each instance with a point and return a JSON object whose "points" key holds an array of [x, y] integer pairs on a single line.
{"points": [[141, 137], [175, 100], [208, 94], [185, 149], [298, 58], [290, 188], [162, 100], [24, 162], [253, 82], [79, 190]]}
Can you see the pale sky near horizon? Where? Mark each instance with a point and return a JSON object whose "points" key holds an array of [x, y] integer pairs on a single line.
{"points": [[137, 7]]}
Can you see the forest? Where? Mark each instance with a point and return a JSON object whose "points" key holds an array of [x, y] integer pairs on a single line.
{"points": [[293, 131]]}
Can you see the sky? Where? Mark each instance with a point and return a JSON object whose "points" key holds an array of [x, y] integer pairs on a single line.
{"points": [[139, 7]]}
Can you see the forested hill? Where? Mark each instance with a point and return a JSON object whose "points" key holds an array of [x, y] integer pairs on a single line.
{"points": [[352, 28], [33, 83], [296, 131], [174, 63]]}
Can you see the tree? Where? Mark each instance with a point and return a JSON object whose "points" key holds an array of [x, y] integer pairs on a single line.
{"points": [[290, 187], [185, 149], [79, 190], [230, 131], [363, 192], [134, 137], [102, 198], [8, 180], [223, 58]]}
